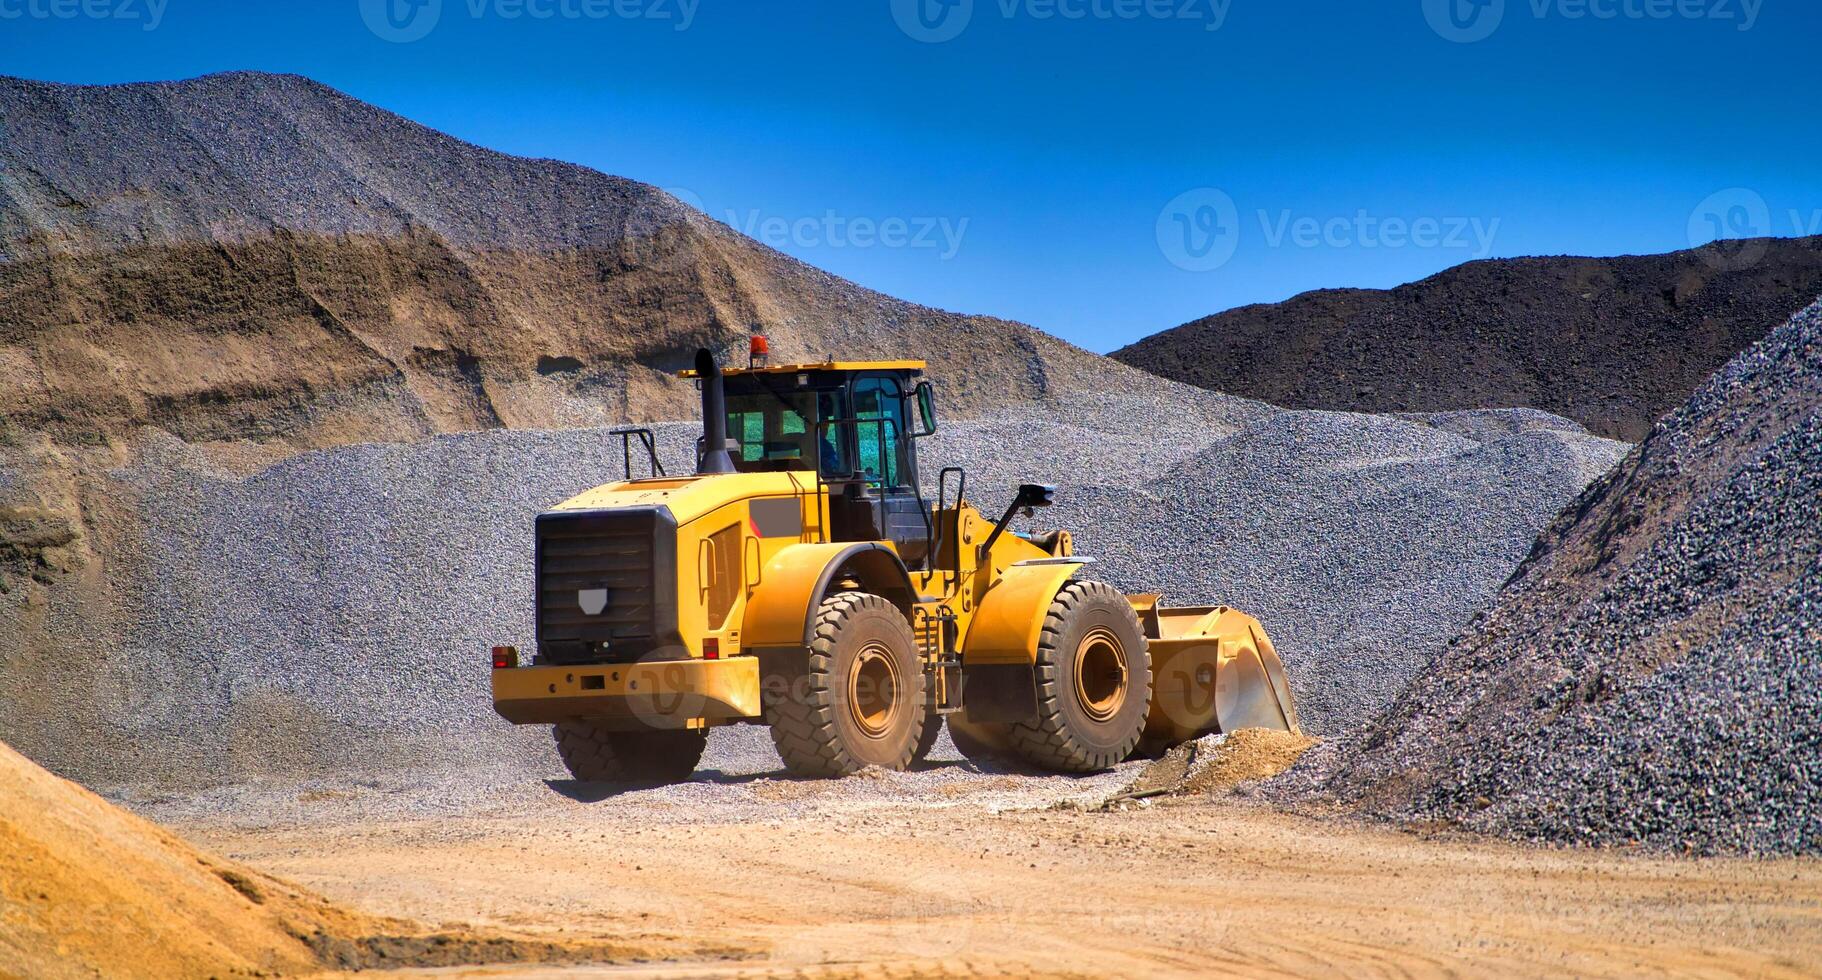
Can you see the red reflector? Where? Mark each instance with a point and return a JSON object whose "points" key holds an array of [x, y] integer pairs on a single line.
{"points": [[505, 658], [711, 649]]}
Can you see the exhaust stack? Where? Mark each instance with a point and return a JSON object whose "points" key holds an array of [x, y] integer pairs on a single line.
{"points": [[715, 458]]}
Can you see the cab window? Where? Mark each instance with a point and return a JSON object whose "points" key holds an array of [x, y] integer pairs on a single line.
{"points": [[879, 410], [782, 430]]}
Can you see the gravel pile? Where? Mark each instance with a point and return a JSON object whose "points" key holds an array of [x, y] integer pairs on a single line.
{"points": [[1363, 543], [330, 615], [383, 280], [1654, 673], [1612, 343]]}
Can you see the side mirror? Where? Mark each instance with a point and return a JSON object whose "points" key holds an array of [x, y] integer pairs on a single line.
{"points": [[926, 411], [1030, 495], [1036, 495]]}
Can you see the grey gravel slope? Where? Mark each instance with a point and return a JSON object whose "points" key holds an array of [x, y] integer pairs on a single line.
{"points": [[330, 614], [1654, 674]]}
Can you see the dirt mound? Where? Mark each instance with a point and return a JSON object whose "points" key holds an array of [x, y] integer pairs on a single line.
{"points": [[1215, 763], [1651, 673], [91, 890], [1611, 343], [251, 256]]}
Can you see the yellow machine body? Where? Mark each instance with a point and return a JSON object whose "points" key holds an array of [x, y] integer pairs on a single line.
{"points": [[755, 556]]}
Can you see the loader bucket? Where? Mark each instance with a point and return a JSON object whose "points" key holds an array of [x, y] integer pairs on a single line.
{"points": [[1213, 669]]}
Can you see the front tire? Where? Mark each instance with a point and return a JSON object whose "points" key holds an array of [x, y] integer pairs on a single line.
{"points": [[1093, 683], [860, 700], [594, 754], [933, 726]]}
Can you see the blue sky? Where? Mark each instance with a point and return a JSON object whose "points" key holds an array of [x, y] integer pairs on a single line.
{"points": [[1102, 169]]}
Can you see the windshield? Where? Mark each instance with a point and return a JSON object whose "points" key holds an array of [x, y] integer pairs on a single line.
{"points": [[778, 430]]}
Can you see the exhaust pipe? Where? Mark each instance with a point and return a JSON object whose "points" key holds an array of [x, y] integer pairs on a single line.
{"points": [[715, 458]]}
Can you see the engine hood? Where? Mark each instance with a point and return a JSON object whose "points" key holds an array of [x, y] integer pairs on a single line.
{"points": [[691, 497]]}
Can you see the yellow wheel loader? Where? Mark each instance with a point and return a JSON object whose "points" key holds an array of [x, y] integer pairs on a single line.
{"points": [[802, 579]]}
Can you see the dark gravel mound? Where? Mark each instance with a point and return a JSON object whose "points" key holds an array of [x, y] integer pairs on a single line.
{"points": [[1653, 673], [1611, 343]]}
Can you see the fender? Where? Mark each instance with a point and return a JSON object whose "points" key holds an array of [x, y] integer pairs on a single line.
{"points": [[1010, 619], [999, 677], [781, 610]]}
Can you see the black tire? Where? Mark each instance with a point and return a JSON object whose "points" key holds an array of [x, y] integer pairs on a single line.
{"points": [[860, 699], [926, 740], [594, 754], [1094, 683]]}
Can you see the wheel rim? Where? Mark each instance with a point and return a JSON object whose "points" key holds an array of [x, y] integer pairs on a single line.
{"points": [[873, 686], [1100, 674]]}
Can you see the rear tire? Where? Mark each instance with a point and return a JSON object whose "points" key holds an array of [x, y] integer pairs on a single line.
{"points": [[594, 754], [1093, 683], [860, 700]]}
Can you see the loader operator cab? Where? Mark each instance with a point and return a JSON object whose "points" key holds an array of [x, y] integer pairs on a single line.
{"points": [[854, 426]]}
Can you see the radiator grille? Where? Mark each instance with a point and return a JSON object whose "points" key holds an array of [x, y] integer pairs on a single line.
{"points": [[630, 555]]}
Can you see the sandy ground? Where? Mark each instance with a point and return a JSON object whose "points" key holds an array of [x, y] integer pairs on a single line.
{"points": [[960, 872]]}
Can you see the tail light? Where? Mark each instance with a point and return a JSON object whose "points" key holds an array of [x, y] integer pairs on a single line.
{"points": [[711, 648], [505, 658]]}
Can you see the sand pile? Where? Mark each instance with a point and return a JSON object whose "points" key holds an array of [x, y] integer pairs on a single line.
{"points": [[1653, 674], [1217, 763], [87, 889]]}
